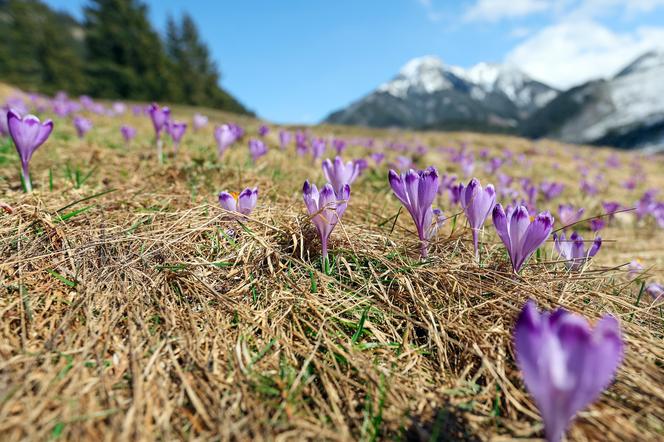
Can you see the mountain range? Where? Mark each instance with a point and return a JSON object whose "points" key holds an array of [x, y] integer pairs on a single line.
{"points": [[626, 110]]}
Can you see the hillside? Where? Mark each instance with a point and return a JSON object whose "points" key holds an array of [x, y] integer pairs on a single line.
{"points": [[134, 307]]}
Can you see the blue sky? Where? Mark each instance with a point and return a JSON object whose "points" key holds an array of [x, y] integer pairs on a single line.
{"points": [[297, 60]]}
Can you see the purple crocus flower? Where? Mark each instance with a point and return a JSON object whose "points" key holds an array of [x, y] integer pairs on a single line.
{"points": [[128, 133], [318, 146], [301, 146], [225, 137], [573, 250], [4, 129], [377, 157], [565, 364], [325, 208], [597, 224], [284, 138], [402, 163], [28, 133], [417, 190], [82, 125], [551, 189], [263, 130], [257, 148], [569, 215], [521, 235], [339, 145], [477, 204], [199, 121], [634, 269], [119, 108], [455, 194], [160, 117], [243, 203], [339, 173], [176, 130], [656, 292], [610, 207]]}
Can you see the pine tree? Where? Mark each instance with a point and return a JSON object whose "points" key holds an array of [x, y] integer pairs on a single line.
{"points": [[125, 56], [39, 49], [197, 74]]}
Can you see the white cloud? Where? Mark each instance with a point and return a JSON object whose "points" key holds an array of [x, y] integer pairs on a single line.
{"points": [[520, 32], [432, 14], [496, 10], [577, 50]]}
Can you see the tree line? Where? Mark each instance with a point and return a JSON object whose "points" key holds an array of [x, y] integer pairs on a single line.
{"points": [[114, 52]]}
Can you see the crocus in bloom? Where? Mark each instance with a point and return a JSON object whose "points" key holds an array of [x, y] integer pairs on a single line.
{"points": [[477, 204], [199, 121], [417, 190], [565, 364], [176, 130], [263, 130], [160, 117], [573, 250], [339, 173], [28, 134], [284, 138], [569, 215], [597, 224], [82, 125], [325, 208], [128, 133], [339, 145], [243, 203], [318, 146], [551, 189], [225, 137], [257, 148], [521, 234]]}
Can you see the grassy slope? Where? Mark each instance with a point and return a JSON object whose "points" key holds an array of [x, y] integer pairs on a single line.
{"points": [[139, 318]]}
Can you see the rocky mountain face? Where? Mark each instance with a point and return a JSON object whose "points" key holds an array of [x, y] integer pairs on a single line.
{"points": [[427, 94], [626, 110]]}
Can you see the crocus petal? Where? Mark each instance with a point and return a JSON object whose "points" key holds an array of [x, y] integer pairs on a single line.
{"points": [[247, 200], [227, 201]]}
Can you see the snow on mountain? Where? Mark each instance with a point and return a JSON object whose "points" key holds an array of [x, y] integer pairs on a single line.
{"points": [[428, 93]]}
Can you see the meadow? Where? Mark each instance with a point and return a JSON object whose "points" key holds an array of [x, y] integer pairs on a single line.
{"points": [[133, 307]]}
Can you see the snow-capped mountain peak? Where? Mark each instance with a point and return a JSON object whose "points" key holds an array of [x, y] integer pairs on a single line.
{"points": [[650, 60], [422, 75]]}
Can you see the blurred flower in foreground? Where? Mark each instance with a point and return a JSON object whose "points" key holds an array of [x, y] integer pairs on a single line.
{"points": [[520, 233], [243, 203], [477, 203], [565, 364], [573, 250], [128, 133], [339, 173], [224, 137], [569, 215], [28, 134], [257, 148], [417, 190], [199, 121], [325, 208], [82, 125]]}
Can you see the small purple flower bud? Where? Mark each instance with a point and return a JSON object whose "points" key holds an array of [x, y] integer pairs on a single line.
{"points": [[325, 208], [28, 133]]}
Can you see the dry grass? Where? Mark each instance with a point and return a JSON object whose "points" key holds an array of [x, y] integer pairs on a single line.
{"points": [[139, 319]]}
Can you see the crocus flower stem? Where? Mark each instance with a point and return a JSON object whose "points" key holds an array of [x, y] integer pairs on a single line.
{"points": [[160, 151], [26, 178], [476, 244]]}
